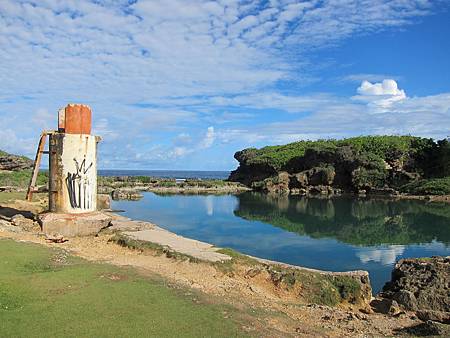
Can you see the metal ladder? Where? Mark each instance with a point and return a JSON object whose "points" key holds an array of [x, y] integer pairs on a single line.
{"points": [[37, 164]]}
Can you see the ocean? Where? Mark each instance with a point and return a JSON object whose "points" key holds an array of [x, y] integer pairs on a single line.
{"points": [[188, 174]]}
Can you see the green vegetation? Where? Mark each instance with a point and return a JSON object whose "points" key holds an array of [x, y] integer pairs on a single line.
{"points": [[317, 288], [47, 293], [353, 221], [21, 178], [436, 186], [14, 195], [377, 147], [327, 289], [127, 242], [237, 258], [131, 181], [376, 164], [11, 196]]}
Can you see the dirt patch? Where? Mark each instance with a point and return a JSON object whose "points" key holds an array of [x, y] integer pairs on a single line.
{"points": [[274, 305]]}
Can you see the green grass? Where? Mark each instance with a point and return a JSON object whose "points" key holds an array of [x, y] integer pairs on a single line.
{"points": [[436, 186], [12, 196], [21, 178], [47, 293]]}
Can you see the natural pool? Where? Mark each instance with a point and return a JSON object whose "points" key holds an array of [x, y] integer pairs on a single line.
{"points": [[337, 234]]}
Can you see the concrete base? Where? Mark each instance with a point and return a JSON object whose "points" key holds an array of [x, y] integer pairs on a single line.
{"points": [[72, 225]]}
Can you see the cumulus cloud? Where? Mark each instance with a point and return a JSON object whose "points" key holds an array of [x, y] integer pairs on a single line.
{"points": [[330, 116], [382, 94], [152, 70]]}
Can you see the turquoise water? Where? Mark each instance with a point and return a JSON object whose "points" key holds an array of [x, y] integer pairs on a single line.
{"points": [[329, 234]]}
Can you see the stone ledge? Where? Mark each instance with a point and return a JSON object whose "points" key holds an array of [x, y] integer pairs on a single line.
{"points": [[71, 225]]}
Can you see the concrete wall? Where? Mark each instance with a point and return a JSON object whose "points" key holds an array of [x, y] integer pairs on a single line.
{"points": [[73, 173]]}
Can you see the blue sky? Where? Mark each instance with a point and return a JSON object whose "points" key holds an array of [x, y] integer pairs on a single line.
{"points": [[184, 84]]}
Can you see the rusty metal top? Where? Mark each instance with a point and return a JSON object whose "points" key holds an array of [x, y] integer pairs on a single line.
{"points": [[75, 119]]}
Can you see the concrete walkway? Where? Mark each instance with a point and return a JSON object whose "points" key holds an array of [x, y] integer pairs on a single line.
{"points": [[144, 231]]}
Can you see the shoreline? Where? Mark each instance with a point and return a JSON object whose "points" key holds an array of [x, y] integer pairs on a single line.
{"points": [[289, 293], [132, 186]]}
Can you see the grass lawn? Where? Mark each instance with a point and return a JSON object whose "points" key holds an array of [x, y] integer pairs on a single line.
{"points": [[48, 293], [11, 196]]}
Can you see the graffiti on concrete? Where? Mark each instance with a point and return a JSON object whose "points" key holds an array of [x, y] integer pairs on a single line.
{"points": [[79, 186]]}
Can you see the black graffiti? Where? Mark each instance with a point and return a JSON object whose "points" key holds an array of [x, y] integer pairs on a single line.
{"points": [[79, 186]]}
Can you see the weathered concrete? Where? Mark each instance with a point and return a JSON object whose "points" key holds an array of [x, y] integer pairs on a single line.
{"points": [[73, 225], [187, 246], [73, 173]]}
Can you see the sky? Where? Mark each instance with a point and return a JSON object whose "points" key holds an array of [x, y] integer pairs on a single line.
{"points": [[184, 84]]}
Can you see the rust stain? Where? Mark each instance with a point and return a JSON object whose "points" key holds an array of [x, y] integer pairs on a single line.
{"points": [[78, 119]]}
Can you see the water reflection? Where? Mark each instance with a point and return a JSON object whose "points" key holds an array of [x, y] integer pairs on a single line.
{"points": [[386, 256], [349, 220], [339, 234], [209, 204]]}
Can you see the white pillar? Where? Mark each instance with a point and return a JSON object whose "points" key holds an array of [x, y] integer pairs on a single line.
{"points": [[73, 173]]}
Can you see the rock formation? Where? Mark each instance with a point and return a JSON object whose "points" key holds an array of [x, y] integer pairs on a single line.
{"points": [[14, 162], [378, 165], [421, 285]]}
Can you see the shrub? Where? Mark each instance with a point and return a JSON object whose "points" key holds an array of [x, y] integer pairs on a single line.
{"points": [[436, 186], [375, 148], [21, 178], [369, 178]]}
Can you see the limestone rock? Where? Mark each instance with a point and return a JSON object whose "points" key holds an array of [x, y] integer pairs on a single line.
{"points": [[103, 201], [420, 284], [437, 316], [278, 184], [428, 328], [129, 225], [385, 305], [8, 226], [14, 163], [126, 194], [24, 223]]}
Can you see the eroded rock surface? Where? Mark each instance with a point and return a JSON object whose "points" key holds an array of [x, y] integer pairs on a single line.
{"points": [[422, 285], [126, 194], [13, 162]]}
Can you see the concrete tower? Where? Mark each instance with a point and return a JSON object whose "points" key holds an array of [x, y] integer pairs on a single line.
{"points": [[73, 176], [73, 162]]}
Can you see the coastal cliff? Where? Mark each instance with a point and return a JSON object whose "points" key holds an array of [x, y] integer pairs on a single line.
{"points": [[380, 165]]}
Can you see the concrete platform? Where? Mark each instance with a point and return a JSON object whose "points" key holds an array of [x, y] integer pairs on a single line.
{"points": [[187, 246], [71, 225]]}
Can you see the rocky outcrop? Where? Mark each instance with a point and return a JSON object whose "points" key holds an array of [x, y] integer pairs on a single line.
{"points": [[278, 184], [14, 163], [421, 285], [126, 194], [326, 169], [249, 173]]}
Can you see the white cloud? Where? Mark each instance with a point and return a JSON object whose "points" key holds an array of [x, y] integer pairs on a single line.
{"points": [[337, 117], [369, 77], [384, 255], [182, 61], [209, 138], [380, 95]]}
